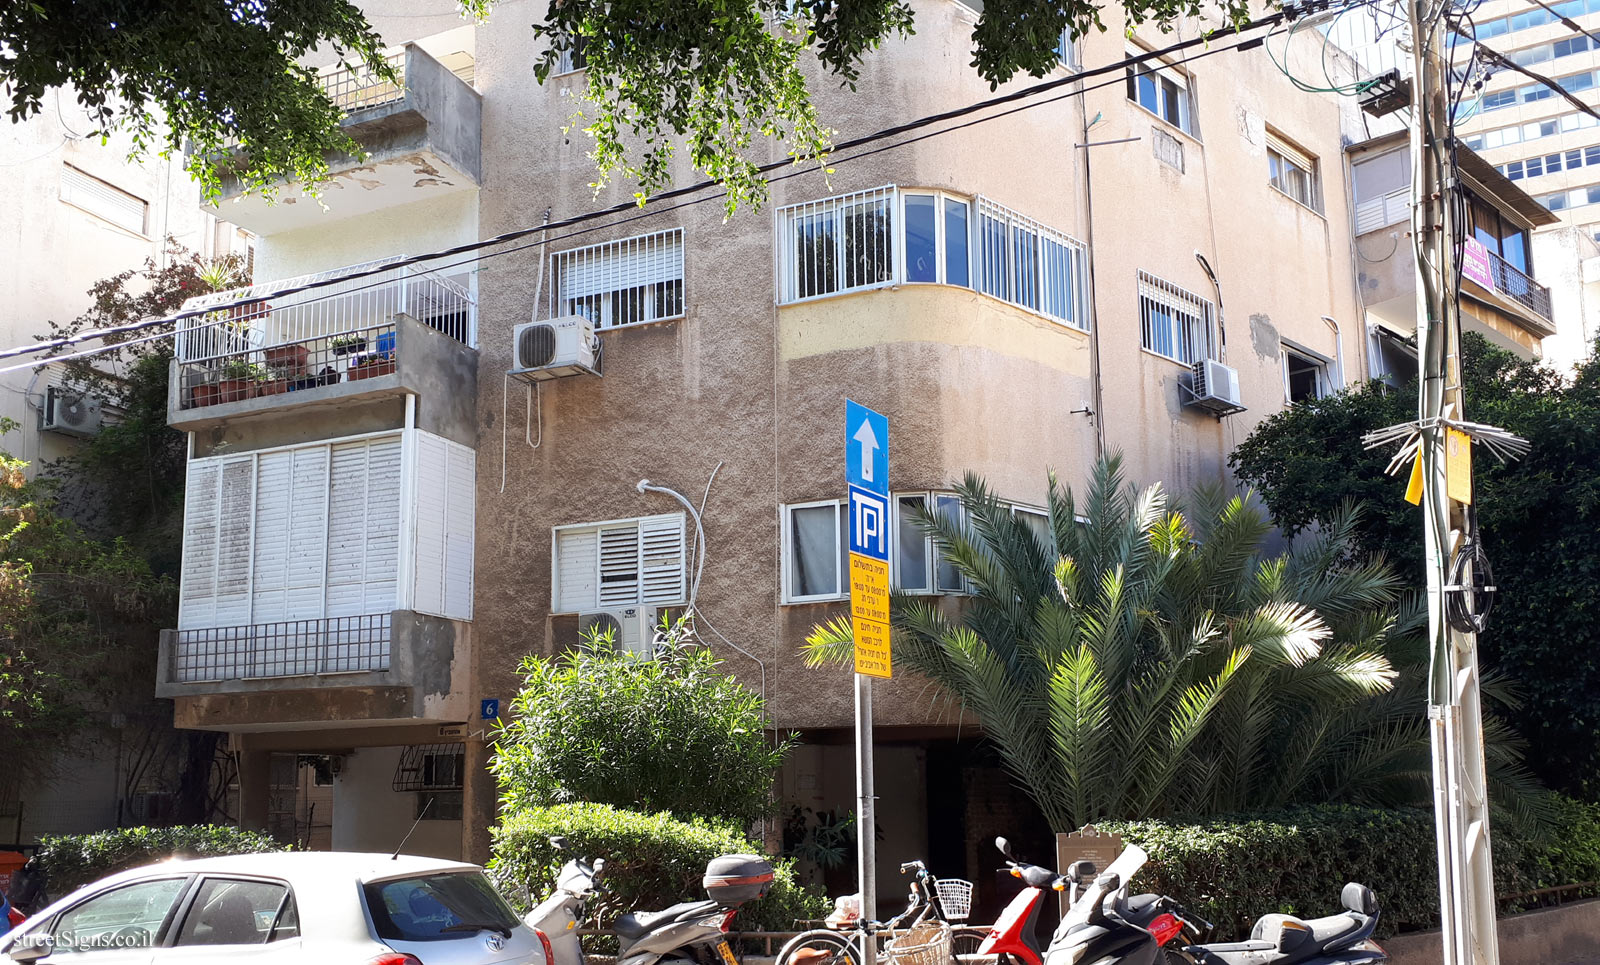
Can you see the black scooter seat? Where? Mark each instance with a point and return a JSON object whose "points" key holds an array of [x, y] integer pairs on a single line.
{"points": [[634, 926]]}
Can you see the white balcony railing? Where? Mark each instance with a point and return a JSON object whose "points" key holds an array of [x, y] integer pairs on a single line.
{"points": [[359, 88], [340, 331]]}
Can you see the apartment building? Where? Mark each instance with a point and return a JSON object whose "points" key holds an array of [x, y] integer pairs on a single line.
{"points": [[382, 522], [1550, 148], [75, 212]]}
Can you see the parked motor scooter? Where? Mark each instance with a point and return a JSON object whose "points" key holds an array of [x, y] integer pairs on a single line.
{"points": [[690, 933], [1095, 930], [1014, 933]]}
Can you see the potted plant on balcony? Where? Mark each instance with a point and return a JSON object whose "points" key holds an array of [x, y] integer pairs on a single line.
{"points": [[288, 360], [203, 393], [239, 380], [348, 344], [371, 366]]}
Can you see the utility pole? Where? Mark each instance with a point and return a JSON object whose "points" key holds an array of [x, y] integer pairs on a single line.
{"points": [[1455, 718]]}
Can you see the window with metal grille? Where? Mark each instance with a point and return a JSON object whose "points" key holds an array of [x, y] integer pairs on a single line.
{"points": [[620, 282], [1029, 265], [430, 767], [836, 245], [1173, 322], [622, 562], [103, 199], [1292, 171]]}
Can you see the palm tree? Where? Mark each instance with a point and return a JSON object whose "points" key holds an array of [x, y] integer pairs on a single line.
{"points": [[1148, 659]]}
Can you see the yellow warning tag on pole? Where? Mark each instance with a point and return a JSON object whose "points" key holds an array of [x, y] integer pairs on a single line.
{"points": [[1414, 486], [1458, 465]]}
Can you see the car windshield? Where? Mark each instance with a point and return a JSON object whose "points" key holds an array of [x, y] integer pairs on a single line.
{"points": [[433, 907]]}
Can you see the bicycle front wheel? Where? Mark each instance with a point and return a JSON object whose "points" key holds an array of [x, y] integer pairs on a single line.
{"points": [[820, 947]]}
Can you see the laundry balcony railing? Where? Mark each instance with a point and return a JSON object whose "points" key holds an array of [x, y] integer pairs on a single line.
{"points": [[1511, 282], [291, 648], [341, 332], [359, 87]]}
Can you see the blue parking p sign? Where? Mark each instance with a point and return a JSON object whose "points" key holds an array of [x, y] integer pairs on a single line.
{"points": [[489, 709]]}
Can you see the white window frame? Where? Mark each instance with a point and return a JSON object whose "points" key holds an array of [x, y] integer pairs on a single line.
{"points": [[104, 200], [1316, 360], [1026, 510], [1076, 276], [1283, 153], [931, 552], [1069, 51], [639, 597], [568, 61], [1200, 312], [834, 211], [628, 272], [940, 235], [1156, 68], [786, 542]]}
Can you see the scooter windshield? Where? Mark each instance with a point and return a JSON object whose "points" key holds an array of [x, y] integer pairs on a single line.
{"points": [[1125, 867]]}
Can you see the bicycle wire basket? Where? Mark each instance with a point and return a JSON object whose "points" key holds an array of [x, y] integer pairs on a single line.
{"points": [[955, 897], [926, 943]]}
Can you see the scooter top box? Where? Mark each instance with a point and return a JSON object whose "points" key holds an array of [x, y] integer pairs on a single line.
{"points": [[734, 879]]}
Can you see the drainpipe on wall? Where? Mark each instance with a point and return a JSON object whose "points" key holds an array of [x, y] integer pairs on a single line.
{"points": [[1222, 328], [1338, 346], [1098, 415]]}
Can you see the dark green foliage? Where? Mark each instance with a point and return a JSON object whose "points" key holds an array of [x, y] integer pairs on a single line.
{"points": [[1232, 869], [73, 860], [652, 861], [1539, 519], [671, 733]]}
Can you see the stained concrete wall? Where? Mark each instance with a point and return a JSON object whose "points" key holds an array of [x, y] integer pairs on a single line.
{"points": [[369, 815]]}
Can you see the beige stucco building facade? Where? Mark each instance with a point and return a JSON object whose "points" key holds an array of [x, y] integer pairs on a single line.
{"points": [[1018, 297]]}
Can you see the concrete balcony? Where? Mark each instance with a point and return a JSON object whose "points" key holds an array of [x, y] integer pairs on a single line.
{"points": [[400, 332], [397, 667], [1517, 295], [422, 140]]}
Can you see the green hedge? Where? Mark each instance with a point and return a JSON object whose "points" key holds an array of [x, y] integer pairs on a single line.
{"points": [[1232, 869], [73, 860], [652, 861]]}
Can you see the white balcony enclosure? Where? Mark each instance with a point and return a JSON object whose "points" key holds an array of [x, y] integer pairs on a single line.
{"points": [[294, 558]]}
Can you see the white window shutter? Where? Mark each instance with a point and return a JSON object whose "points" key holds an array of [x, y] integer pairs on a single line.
{"points": [[619, 565], [663, 576], [237, 510], [347, 530], [270, 566], [308, 535], [577, 570], [460, 535], [382, 524], [197, 594], [431, 495]]}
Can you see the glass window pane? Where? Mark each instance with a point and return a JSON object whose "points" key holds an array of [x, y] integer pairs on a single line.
{"points": [[816, 253], [131, 917], [911, 544], [814, 551], [428, 908], [948, 578], [1171, 97], [1039, 524], [1025, 256], [922, 249], [1147, 94], [233, 913], [1513, 248], [955, 242], [868, 256]]}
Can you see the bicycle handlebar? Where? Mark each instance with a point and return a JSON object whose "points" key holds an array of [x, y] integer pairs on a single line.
{"points": [[913, 866]]}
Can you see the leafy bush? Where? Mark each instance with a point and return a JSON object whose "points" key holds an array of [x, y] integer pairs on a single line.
{"points": [[1232, 869], [652, 861], [669, 733], [73, 860]]}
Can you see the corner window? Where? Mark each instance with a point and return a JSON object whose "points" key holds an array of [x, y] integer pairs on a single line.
{"points": [[837, 245], [620, 282], [1305, 375], [1293, 171], [1173, 323], [937, 246], [1162, 91], [815, 544], [1030, 265], [623, 562]]}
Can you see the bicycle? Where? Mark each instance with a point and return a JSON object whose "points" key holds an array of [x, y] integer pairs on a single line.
{"points": [[931, 902]]}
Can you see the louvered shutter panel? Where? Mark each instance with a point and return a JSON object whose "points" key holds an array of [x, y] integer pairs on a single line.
{"points": [[661, 539], [460, 532], [619, 565], [432, 495], [113, 204], [347, 530], [648, 260], [383, 525], [576, 570], [197, 594], [237, 511], [308, 535], [270, 567]]}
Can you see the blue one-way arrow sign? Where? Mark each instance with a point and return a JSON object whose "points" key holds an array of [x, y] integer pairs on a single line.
{"points": [[866, 435]]}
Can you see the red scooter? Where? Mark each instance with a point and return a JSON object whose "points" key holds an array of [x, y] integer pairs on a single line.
{"points": [[1015, 933]]}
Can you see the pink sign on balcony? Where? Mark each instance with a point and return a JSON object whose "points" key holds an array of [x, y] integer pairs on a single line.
{"points": [[1475, 263]]}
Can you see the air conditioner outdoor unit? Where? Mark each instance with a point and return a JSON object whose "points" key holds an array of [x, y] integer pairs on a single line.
{"points": [[634, 627], [73, 413], [554, 348], [1215, 386]]}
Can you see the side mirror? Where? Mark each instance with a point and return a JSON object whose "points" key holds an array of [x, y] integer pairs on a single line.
{"points": [[599, 867], [1082, 872], [1005, 847], [30, 948], [1110, 881], [559, 842]]}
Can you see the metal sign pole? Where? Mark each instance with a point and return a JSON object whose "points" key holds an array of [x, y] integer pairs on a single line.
{"points": [[866, 818], [1461, 808]]}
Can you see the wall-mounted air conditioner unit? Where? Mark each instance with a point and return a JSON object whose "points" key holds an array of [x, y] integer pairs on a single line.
{"points": [[555, 348], [74, 413], [633, 627], [1214, 387]]}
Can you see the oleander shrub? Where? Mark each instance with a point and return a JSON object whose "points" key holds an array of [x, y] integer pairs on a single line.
{"points": [[652, 861], [70, 861]]}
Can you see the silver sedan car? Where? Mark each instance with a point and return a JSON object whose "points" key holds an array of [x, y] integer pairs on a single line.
{"points": [[265, 909]]}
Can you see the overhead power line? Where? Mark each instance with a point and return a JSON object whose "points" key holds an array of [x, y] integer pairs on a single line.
{"points": [[1160, 55]]}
